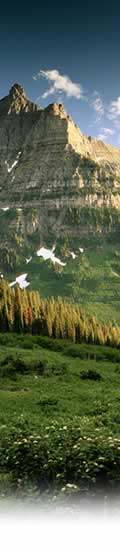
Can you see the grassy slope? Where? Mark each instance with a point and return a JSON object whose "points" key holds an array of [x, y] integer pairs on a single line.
{"points": [[92, 279], [59, 433], [59, 392]]}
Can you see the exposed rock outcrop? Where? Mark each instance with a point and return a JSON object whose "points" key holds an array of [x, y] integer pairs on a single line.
{"points": [[46, 163]]}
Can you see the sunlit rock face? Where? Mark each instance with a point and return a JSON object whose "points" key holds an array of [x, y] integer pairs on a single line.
{"points": [[16, 102], [47, 167]]}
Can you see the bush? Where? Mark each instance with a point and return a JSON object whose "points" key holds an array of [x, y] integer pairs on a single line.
{"points": [[21, 366], [59, 370], [8, 371], [11, 365], [90, 375], [41, 367], [7, 367], [61, 457]]}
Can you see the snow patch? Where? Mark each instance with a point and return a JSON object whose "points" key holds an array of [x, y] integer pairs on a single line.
{"points": [[5, 209], [21, 280], [73, 255], [53, 248], [10, 168], [49, 255], [28, 260]]}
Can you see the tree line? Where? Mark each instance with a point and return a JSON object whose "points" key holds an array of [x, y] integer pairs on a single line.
{"points": [[25, 311]]}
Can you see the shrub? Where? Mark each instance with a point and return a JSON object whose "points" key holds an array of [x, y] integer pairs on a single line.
{"points": [[59, 370], [41, 367], [61, 457], [20, 366], [8, 371], [90, 375]]}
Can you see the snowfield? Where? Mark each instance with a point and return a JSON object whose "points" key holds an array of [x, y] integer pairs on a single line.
{"points": [[48, 254], [21, 280]]}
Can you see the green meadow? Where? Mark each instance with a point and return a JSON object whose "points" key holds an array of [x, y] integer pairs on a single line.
{"points": [[59, 416], [92, 279]]}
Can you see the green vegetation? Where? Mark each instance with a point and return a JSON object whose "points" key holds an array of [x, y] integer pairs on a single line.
{"points": [[60, 359], [24, 311], [92, 279], [59, 417]]}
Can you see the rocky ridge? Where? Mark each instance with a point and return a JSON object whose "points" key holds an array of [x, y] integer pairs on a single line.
{"points": [[49, 168]]}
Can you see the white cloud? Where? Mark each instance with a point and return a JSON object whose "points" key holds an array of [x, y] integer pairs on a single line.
{"points": [[108, 131], [105, 132], [101, 137], [49, 92], [97, 105], [59, 83], [114, 109]]}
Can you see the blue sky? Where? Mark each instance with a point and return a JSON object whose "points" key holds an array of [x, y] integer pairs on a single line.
{"points": [[73, 51]]}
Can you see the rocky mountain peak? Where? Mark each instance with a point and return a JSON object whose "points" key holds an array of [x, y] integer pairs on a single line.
{"points": [[16, 90], [55, 156], [17, 102], [56, 109]]}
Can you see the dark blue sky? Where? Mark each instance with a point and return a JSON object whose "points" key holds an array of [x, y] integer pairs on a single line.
{"points": [[80, 41]]}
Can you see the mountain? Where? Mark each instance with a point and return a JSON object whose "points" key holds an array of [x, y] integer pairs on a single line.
{"points": [[16, 102], [61, 188]]}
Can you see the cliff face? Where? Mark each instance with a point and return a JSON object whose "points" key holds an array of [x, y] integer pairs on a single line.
{"points": [[48, 168]]}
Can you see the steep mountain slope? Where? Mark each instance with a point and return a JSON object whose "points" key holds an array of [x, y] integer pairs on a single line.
{"points": [[56, 161], [57, 187]]}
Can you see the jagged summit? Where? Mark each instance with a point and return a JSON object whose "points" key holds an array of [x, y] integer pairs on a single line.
{"points": [[56, 109], [17, 89], [17, 102]]}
